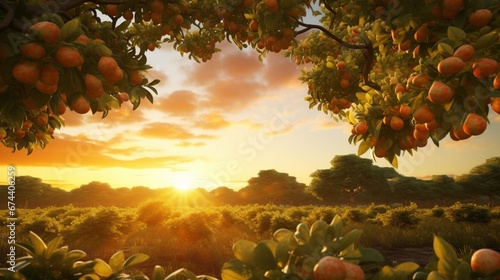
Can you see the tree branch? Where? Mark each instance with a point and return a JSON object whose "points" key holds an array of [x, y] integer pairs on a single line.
{"points": [[9, 15], [368, 52]]}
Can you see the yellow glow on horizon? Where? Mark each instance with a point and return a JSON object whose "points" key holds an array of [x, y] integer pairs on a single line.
{"points": [[184, 182]]}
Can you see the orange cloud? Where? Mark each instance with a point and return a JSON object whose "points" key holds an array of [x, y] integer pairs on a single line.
{"points": [[180, 103], [169, 131], [233, 95], [190, 144], [80, 151], [213, 120]]}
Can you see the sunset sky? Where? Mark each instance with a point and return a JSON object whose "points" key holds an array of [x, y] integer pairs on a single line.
{"points": [[218, 124]]}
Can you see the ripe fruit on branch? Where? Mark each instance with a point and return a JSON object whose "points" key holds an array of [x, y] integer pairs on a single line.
{"points": [[361, 127], [450, 66], [404, 111], [42, 119], [474, 124], [422, 33], [329, 268], [135, 78], [32, 50], [112, 10], [80, 105], [420, 80], [26, 71], [484, 67], [44, 88], [69, 56], [272, 6], [107, 65], [440, 93], [353, 272], [465, 52], [397, 123], [480, 18], [423, 115], [49, 75], [47, 31], [485, 262]]}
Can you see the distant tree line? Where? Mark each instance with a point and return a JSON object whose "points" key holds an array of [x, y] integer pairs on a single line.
{"points": [[350, 180]]}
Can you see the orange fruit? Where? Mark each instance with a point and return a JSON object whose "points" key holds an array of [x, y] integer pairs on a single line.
{"points": [[179, 20], [465, 52], [115, 77], [80, 105], [344, 103], [107, 65], [484, 67], [423, 114], [49, 75], [32, 50], [422, 33], [495, 104], [474, 124], [420, 80], [272, 6], [432, 125], [44, 88], [92, 83], [452, 6], [112, 10], [61, 107], [361, 127], [450, 66], [157, 6], [407, 142], [404, 111], [459, 134], [341, 66], [399, 88], [344, 83], [440, 93], [97, 93], [254, 25], [480, 18], [135, 78], [42, 119], [397, 123], [420, 135], [404, 46], [157, 17], [26, 71], [47, 31], [380, 150], [128, 15], [387, 120], [69, 56], [496, 81]]}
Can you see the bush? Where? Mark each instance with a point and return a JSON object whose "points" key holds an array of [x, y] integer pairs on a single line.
{"points": [[401, 217], [437, 212], [355, 215], [471, 213], [373, 210]]}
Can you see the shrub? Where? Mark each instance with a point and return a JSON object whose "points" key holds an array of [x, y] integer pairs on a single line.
{"points": [[401, 217], [373, 210], [355, 215], [471, 213], [437, 212], [153, 212]]}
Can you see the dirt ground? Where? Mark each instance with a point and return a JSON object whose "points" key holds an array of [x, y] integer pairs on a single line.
{"points": [[421, 256]]}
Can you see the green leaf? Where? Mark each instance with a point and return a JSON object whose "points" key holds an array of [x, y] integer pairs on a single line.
{"points": [[445, 49], [337, 225], [264, 257], [75, 255], [281, 234], [181, 272], [38, 245], [317, 226], [463, 271], [158, 273], [303, 230], [244, 251], [53, 245], [101, 268], [71, 30], [407, 268], [365, 255], [234, 270], [434, 275], [135, 260], [486, 40], [456, 34], [349, 239], [444, 251], [116, 261], [282, 250]]}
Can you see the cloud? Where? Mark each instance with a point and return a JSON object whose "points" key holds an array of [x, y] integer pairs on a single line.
{"points": [[190, 144], [79, 151], [212, 120], [169, 131], [232, 95], [179, 103], [280, 71]]}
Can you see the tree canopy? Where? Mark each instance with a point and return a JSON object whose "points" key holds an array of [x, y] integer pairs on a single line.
{"points": [[400, 72]]}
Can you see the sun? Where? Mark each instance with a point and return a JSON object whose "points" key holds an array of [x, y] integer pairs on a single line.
{"points": [[184, 182]]}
